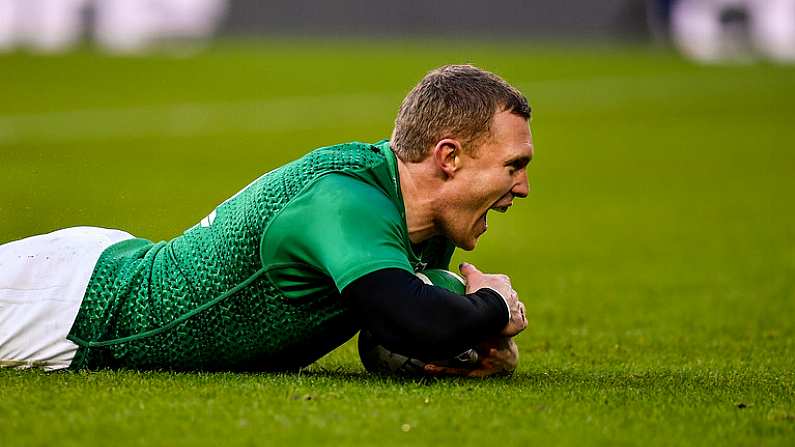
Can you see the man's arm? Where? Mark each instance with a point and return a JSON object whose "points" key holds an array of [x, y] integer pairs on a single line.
{"points": [[424, 321]]}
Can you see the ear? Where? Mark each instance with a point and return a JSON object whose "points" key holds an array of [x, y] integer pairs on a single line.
{"points": [[447, 156]]}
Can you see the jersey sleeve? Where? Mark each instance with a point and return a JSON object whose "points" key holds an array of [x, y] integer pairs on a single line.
{"points": [[341, 227], [421, 320]]}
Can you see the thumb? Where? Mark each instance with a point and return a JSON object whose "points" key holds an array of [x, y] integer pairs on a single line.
{"points": [[468, 269]]}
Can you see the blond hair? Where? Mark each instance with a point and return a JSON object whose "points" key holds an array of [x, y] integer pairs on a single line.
{"points": [[453, 101]]}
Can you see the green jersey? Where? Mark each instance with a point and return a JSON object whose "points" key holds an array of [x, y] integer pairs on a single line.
{"points": [[255, 285]]}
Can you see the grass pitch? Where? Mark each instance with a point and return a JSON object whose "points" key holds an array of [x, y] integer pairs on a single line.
{"points": [[656, 252]]}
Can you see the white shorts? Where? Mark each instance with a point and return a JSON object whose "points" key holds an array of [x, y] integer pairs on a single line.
{"points": [[42, 282]]}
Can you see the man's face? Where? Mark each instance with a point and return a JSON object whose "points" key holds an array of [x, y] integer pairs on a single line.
{"points": [[489, 180]]}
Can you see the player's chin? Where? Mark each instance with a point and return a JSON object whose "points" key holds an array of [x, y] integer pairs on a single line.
{"points": [[464, 243], [467, 238], [467, 246], [470, 241]]}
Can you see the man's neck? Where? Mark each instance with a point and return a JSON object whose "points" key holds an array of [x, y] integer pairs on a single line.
{"points": [[417, 185]]}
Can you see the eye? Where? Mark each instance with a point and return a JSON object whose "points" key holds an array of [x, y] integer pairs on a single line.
{"points": [[517, 165]]}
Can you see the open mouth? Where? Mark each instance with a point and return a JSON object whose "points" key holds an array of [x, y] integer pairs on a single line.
{"points": [[499, 209]]}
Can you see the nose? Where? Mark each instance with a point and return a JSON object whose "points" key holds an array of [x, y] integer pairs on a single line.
{"points": [[521, 188]]}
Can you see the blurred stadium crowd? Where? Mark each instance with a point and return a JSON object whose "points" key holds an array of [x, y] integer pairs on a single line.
{"points": [[118, 26], [708, 31], [729, 30]]}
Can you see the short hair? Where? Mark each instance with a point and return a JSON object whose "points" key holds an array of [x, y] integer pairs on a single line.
{"points": [[453, 101]]}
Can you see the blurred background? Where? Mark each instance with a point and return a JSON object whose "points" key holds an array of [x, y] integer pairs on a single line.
{"points": [[704, 30], [660, 225]]}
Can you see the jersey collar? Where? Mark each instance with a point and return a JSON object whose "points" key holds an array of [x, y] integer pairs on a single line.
{"points": [[397, 196]]}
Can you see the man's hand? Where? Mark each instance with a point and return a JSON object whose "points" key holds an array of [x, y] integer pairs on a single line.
{"points": [[498, 355], [476, 280]]}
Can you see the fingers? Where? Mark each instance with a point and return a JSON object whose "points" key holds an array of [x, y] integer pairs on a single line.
{"points": [[436, 370], [504, 278], [522, 320], [505, 358], [518, 321], [499, 356], [467, 269]]}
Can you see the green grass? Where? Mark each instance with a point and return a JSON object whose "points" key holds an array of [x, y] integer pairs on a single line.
{"points": [[656, 253]]}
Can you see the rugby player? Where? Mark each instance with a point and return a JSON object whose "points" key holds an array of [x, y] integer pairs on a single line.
{"points": [[298, 261]]}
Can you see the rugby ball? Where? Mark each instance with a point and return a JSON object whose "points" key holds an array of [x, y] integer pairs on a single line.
{"points": [[380, 360]]}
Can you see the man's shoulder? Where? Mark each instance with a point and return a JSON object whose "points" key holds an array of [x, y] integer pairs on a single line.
{"points": [[335, 206], [343, 192], [340, 226]]}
